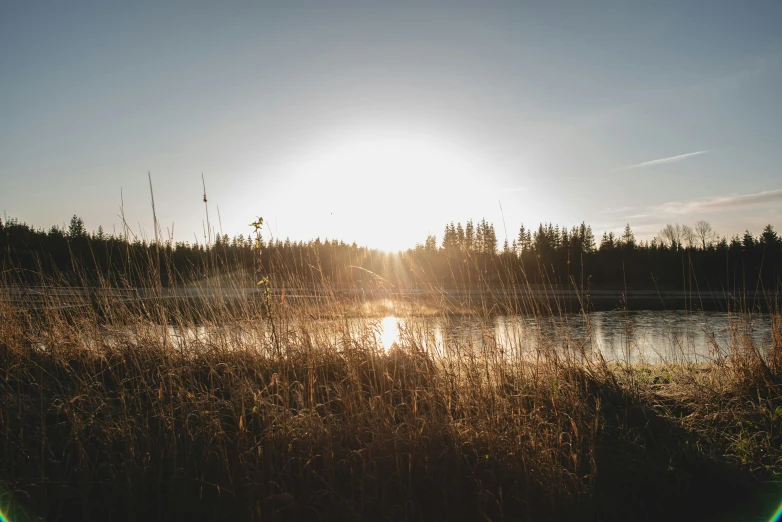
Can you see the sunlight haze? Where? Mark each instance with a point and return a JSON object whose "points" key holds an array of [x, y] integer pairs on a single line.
{"points": [[380, 125]]}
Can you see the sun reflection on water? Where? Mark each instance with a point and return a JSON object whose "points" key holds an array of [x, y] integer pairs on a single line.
{"points": [[389, 331]]}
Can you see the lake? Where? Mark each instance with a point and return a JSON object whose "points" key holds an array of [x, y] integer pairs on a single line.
{"points": [[637, 336]]}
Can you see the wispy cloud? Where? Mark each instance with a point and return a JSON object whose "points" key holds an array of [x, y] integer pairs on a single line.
{"points": [[641, 230], [721, 203], [695, 207], [610, 210], [661, 161]]}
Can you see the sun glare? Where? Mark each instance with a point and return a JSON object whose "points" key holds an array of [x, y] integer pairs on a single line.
{"points": [[386, 190], [389, 332]]}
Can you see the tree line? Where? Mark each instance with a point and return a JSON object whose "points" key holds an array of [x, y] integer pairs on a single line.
{"points": [[467, 256]]}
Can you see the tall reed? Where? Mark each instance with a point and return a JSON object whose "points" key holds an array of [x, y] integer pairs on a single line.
{"points": [[220, 400]]}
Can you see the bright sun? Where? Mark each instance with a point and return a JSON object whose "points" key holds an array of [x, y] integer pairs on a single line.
{"points": [[385, 189]]}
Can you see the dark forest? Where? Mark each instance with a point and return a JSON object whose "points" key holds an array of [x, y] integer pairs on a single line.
{"points": [[467, 256]]}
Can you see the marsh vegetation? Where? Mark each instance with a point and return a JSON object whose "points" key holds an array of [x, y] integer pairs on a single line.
{"points": [[281, 408]]}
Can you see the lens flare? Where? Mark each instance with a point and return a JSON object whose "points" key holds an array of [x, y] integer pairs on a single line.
{"points": [[777, 516], [3, 518]]}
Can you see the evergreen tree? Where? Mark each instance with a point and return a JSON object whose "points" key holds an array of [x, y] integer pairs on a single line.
{"points": [[460, 239], [431, 244], [56, 231], [521, 240], [628, 238], [747, 241], [608, 242], [587, 237], [469, 236], [735, 243], [449, 237], [542, 245], [480, 236], [769, 237], [551, 237], [76, 228], [491, 240]]}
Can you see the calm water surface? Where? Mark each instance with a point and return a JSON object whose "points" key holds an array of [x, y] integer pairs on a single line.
{"points": [[641, 336], [649, 336]]}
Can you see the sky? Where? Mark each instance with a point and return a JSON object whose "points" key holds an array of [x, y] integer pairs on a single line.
{"points": [[379, 124]]}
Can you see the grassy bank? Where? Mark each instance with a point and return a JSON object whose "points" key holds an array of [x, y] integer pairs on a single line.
{"points": [[106, 413]]}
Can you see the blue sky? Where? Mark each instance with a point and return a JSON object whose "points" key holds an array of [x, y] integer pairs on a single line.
{"points": [[380, 124]]}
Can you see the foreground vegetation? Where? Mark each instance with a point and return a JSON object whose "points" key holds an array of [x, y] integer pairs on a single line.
{"points": [[107, 412], [247, 406]]}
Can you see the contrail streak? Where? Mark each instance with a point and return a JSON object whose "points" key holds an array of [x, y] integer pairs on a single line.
{"points": [[661, 161]]}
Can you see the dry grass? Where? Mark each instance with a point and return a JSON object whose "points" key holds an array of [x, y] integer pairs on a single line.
{"points": [[271, 414]]}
